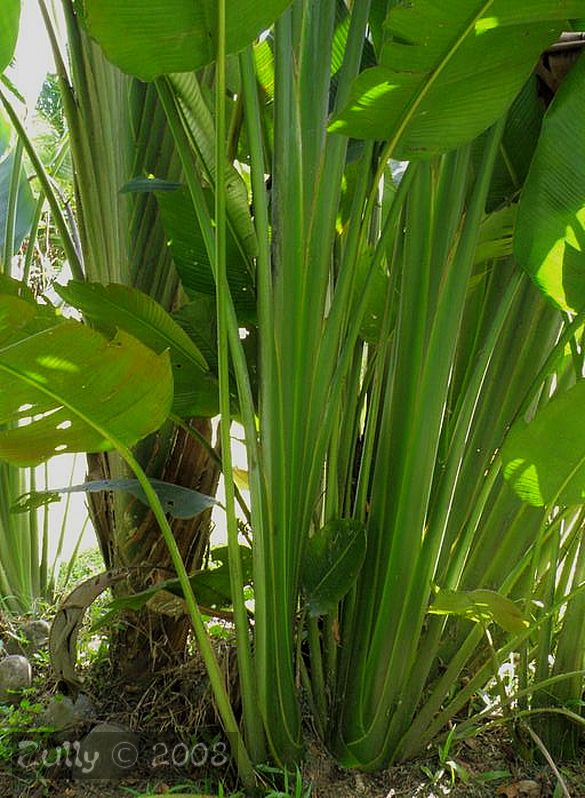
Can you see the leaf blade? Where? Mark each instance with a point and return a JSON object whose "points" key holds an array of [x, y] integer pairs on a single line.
{"points": [[435, 87], [72, 389]]}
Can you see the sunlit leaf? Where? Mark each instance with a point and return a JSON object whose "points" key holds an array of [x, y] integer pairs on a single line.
{"points": [[480, 606], [550, 235], [9, 19], [544, 461], [119, 306], [148, 38], [71, 389], [449, 71]]}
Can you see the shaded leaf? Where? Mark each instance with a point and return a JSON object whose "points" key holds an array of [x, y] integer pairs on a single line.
{"points": [[480, 606], [25, 205], [333, 558], [544, 460], [71, 388], [550, 234], [148, 38], [140, 185], [178, 501], [198, 114], [212, 586], [190, 254], [449, 71], [519, 140]]}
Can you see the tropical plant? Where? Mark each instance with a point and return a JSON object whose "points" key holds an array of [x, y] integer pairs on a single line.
{"points": [[397, 344], [117, 237], [27, 572]]}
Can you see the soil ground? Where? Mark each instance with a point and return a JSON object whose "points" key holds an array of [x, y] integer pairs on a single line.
{"points": [[182, 750], [173, 716]]}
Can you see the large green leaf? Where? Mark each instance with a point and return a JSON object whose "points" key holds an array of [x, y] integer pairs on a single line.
{"points": [[198, 115], [25, 206], [523, 125], [450, 71], [544, 461], [131, 310], [148, 38], [550, 235], [333, 558], [9, 18], [69, 388]]}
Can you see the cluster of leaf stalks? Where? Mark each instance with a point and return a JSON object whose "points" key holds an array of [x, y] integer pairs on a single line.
{"points": [[396, 344]]}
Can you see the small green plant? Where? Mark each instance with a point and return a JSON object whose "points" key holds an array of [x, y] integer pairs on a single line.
{"points": [[17, 721], [292, 785], [448, 765]]}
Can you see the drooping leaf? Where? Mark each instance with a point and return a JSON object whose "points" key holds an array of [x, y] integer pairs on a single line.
{"points": [[450, 70], [199, 320], [9, 19], [67, 622], [550, 234], [333, 558], [178, 501], [148, 38], [72, 389], [25, 206], [544, 460], [120, 306], [480, 606]]}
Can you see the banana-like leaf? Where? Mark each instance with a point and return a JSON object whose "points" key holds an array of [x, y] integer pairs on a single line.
{"points": [[148, 38], [332, 561], [550, 234], [544, 461], [119, 306], [201, 124], [178, 501], [9, 19], [66, 387], [191, 258], [523, 126], [480, 606], [450, 70], [25, 206]]}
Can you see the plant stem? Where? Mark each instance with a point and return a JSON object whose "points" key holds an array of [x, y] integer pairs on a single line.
{"points": [[251, 718]]}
